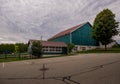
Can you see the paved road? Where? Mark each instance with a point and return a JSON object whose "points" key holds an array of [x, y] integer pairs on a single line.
{"points": [[79, 69]]}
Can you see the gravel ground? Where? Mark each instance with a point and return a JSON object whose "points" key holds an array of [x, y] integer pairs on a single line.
{"points": [[79, 69]]}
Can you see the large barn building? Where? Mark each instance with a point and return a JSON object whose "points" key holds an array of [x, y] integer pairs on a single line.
{"points": [[79, 35]]}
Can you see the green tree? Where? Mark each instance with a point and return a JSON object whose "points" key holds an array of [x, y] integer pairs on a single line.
{"points": [[70, 47], [37, 49], [11, 48], [16, 48], [104, 27], [8, 47], [21, 47]]}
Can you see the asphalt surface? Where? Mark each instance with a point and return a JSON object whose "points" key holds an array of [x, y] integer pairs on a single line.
{"points": [[79, 69]]}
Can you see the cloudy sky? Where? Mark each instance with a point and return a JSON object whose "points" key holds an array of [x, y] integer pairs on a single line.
{"points": [[21, 20]]}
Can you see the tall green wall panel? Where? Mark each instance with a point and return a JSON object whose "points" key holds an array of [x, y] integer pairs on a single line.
{"points": [[65, 38], [81, 36]]}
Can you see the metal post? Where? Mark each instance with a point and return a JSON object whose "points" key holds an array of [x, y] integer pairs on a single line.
{"points": [[43, 70], [41, 38], [70, 38]]}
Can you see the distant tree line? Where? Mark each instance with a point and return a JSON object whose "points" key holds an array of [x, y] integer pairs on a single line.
{"points": [[13, 48]]}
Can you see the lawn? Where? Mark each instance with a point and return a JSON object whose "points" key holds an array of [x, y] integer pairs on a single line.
{"points": [[13, 57], [109, 50]]}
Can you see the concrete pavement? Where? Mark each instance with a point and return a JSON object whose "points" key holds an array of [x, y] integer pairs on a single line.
{"points": [[79, 69]]}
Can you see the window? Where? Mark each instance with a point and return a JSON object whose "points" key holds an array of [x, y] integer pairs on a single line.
{"points": [[83, 48], [75, 49], [52, 49], [45, 49]]}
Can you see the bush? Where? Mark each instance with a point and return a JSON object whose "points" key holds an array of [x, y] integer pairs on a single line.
{"points": [[37, 49], [70, 47]]}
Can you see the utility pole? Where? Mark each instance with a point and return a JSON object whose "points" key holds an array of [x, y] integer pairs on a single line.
{"points": [[41, 38]]}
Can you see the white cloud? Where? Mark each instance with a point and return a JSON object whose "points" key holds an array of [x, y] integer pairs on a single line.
{"points": [[1, 38], [21, 20]]}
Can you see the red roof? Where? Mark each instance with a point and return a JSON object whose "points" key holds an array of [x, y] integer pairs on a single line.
{"points": [[50, 43], [68, 31], [53, 44]]}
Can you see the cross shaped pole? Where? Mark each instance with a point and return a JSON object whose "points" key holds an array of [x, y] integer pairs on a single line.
{"points": [[43, 70]]}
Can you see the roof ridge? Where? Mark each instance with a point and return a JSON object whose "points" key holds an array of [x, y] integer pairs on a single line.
{"points": [[44, 41]]}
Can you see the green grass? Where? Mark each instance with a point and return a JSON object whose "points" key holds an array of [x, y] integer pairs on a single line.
{"points": [[13, 57], [10, 59], [109, 50]]}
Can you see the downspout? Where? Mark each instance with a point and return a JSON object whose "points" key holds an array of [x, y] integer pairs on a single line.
{"points": [[70, 37]]}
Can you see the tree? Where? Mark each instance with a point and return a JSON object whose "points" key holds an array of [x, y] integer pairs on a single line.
{"points": [[70, 47], [20, 47], [104, 27], [8, 47], [16, 49], [11, 48], [37, 49]]}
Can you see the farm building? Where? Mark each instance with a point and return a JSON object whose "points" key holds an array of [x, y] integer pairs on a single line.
{"points": [[79, 35], [49, 47]]}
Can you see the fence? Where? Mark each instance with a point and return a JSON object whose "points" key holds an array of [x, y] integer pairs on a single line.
{"points": [[13, 56]]}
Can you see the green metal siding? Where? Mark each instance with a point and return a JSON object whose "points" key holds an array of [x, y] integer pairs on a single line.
{"points": [[82, 36], [65, 38]]}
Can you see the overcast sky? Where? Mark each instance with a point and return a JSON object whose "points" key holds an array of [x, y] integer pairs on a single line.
{"points": [[21, 20]]}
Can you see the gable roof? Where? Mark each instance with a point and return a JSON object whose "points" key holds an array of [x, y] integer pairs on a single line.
{"points": [[50, 43], [68, 31]]}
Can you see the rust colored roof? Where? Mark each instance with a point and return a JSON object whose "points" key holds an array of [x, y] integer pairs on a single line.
{"points": [[53, 44], [68, 31], [50, 43]]}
